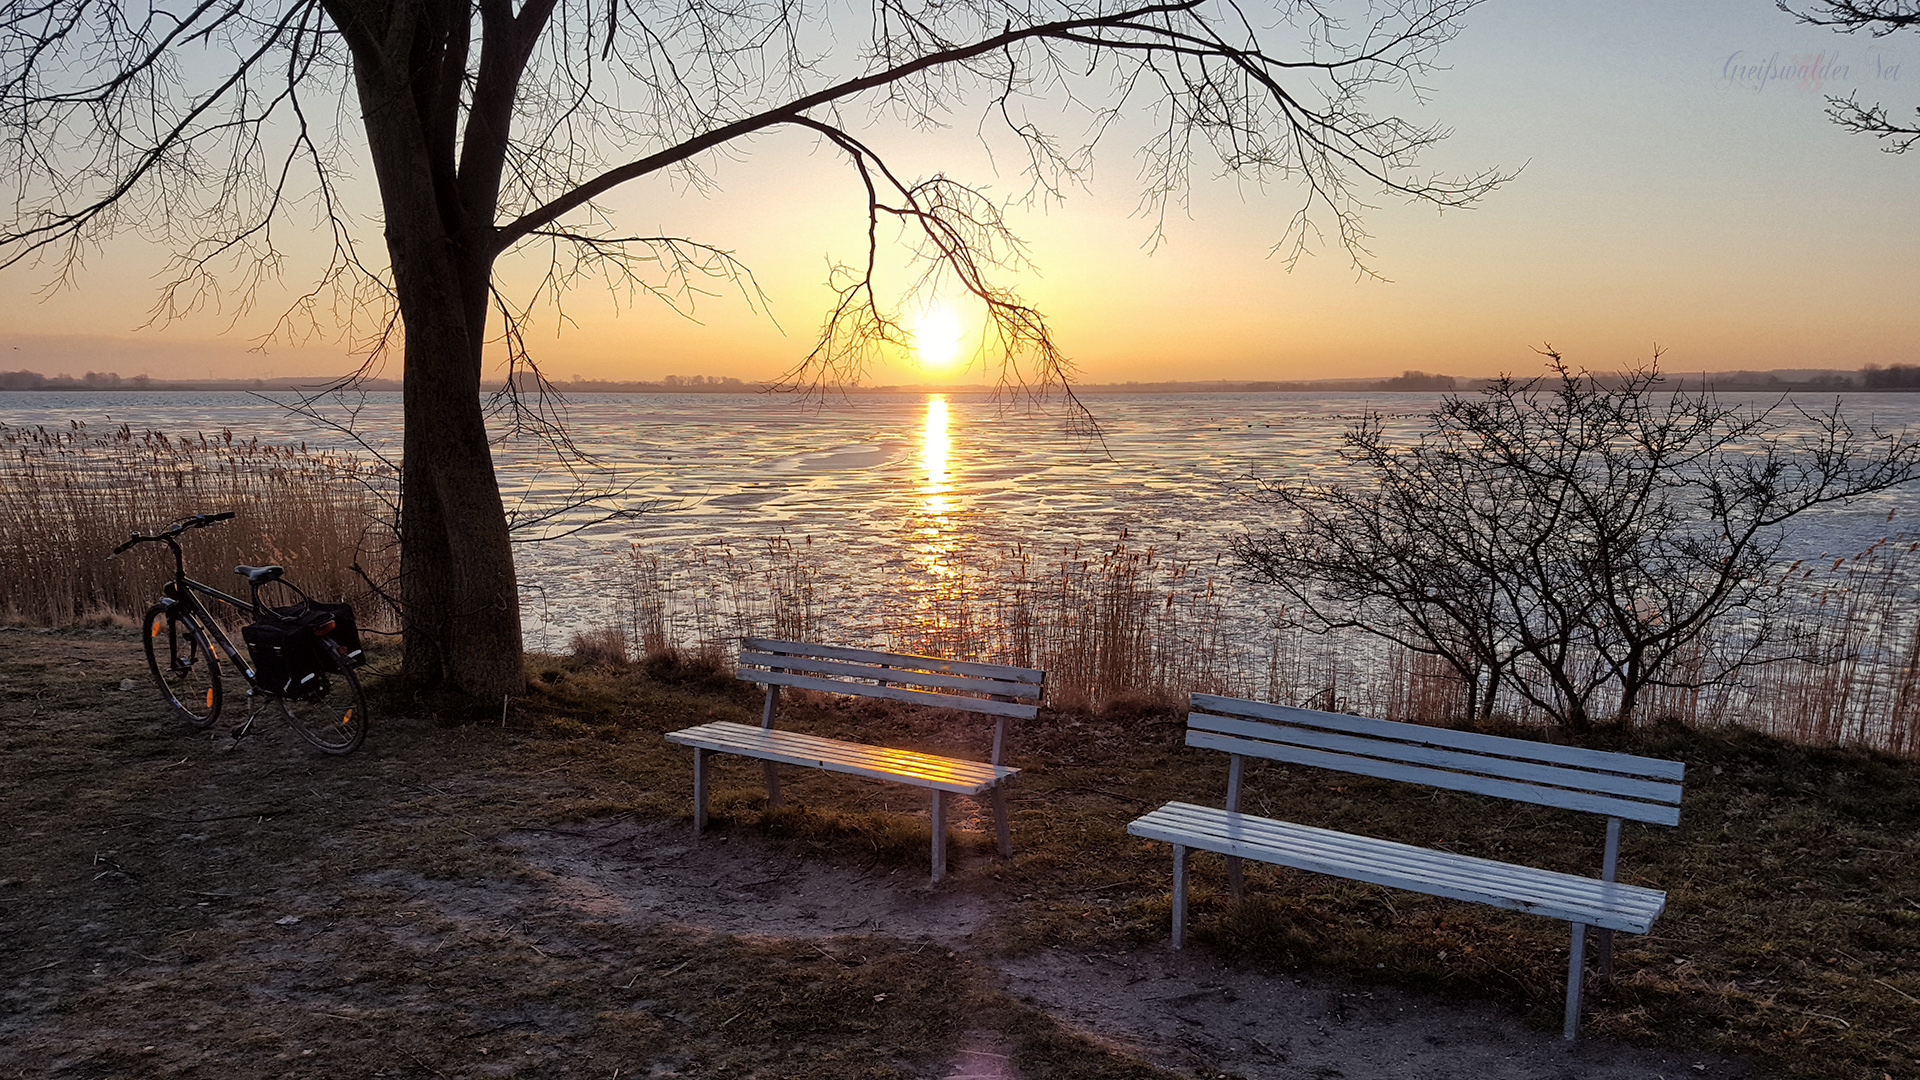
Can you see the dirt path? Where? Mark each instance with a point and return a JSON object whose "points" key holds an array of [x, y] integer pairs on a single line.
{"points": [[464, 903], [1187, 1011]]}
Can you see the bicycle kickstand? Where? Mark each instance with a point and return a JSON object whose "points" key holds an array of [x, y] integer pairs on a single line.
{"points": [[245, 727]]}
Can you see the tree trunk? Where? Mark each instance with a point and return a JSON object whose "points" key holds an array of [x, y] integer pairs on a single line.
{"points": [[1631, 681], [459, 593], [457, 580]]}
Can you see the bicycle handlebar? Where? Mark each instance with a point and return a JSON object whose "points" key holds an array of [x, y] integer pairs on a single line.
{"points": [[197, 521]]}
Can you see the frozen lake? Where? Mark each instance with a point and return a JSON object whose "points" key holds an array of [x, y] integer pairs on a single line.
{"points": [[880, 488]]}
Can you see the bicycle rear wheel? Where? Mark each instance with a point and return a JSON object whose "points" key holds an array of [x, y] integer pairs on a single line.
{"points": [[183, 665], [333, 715]]}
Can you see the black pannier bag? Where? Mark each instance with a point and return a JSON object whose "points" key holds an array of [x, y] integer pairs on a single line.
{"points": [[345, 632], [289, 655]]}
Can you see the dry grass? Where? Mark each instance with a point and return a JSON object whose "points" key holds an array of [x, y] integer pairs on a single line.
{"points": [[67, 496], [1860, 682]]}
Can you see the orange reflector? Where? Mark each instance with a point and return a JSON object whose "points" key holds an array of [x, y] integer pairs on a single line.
{"points": [[209, 697], [347, 719], [156, 630]]}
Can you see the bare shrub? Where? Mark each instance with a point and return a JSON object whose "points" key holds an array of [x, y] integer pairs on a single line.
{"points": [[1570, 539]]}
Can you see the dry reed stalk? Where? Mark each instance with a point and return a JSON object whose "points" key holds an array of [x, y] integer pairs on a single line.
{"points": [[1854, 681], [700, 602], [67, 496], [1422, 686], [1130, 622], [1121, 622]]}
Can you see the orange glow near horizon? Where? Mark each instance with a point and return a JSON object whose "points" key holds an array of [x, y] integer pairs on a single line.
{"points": [[1746, 249]]}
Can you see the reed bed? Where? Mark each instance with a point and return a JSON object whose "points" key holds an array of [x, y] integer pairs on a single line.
{"points": [[69, 495], [1122, 624], [1857, 678], [1128, 624]]}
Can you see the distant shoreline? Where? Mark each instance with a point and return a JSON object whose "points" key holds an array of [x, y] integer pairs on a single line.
{"points": [[1872, 379]]}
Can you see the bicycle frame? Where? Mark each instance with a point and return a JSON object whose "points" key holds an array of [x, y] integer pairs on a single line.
{"points": [[184, 592]]}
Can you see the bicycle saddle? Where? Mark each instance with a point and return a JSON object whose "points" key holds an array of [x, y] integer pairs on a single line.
{"points": [[260, 575]]}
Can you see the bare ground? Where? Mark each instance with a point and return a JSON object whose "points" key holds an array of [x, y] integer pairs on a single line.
{"points": [[464, 902]]}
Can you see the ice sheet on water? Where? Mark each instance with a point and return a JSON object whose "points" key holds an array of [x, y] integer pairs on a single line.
{"points": [[851, 475]]}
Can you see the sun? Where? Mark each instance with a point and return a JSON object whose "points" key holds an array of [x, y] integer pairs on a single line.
{"points": [[936, 337]]}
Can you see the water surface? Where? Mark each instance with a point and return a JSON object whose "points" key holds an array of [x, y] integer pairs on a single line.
{"points": [[877, 488]]}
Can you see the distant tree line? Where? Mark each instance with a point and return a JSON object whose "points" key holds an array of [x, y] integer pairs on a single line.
{"points": [[1416, 380], [1872, 377], [92, 380], [107, 380], [1893, 377]]}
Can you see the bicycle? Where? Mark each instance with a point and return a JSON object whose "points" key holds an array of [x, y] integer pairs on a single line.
{"points": [[310, 673]]}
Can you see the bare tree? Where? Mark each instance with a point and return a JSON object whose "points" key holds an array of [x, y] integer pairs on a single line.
{"points": [[1878, 18], [1570, 537], [214, 126]]}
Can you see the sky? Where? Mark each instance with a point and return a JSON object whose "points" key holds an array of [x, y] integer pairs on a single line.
{"points": [[1675, 189]]}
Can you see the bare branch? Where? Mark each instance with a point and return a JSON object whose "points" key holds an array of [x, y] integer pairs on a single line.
{"points": [[1878, 18]]}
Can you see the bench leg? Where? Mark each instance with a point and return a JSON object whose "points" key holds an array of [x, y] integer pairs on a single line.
{"points": [[1236, 769], [1575, 969], [1179, 895], [939, 834], [1000, 824], [773, 786], [699, 789]]}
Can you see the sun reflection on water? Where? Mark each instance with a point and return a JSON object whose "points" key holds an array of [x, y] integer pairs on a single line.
{"points": [[934, 446], [936, 540]]}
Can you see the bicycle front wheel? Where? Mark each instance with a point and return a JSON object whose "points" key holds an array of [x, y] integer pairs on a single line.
{"points": [[333, 715], [183, 664]]}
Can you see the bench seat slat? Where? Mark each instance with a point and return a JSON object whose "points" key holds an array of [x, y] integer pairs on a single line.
{"points": [[1419, 865], [874, 656], [1479, 761], [805, 665], [1570, 897], [874, 760], [834, 755], [1659, 813], [1015, 709], [1578, 757]]}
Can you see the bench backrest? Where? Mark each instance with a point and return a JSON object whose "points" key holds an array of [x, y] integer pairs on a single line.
{"points": [[1011, 692], [1600, 781]]}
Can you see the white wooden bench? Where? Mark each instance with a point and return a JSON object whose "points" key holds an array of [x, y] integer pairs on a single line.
{"points": [[1617, 785], [1009, 693]]}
